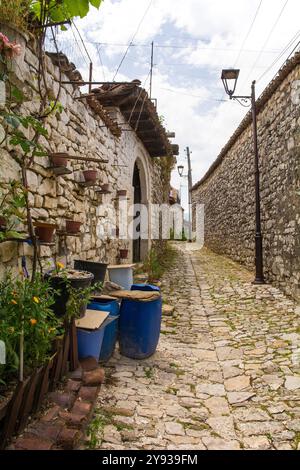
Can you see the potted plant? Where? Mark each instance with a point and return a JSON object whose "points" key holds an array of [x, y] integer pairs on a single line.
{"points": [[105, 188], [90, 176], [73, 289], [123, 252], [27, 324], [73, 227], [122, 193], [44, 231], [59, 159]]}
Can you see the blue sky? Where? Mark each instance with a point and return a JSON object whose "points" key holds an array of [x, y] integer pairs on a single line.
{"points": [[194, 40]]}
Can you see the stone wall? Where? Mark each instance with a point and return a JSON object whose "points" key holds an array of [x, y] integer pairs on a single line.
{"points": [[79, 131], [228, 189]]}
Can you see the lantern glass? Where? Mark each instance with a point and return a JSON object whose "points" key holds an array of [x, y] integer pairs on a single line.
{"points": [[229, 78], [180, 170]]}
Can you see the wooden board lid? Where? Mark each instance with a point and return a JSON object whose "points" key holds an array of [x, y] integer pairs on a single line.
{"points": [[121, 266], [92, 320]]}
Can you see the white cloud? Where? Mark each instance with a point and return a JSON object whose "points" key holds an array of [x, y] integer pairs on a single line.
{"points": [[214, 30]]}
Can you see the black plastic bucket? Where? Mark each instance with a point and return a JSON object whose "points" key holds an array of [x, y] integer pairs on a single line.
{"points": [[98, 269], [62, 297]]}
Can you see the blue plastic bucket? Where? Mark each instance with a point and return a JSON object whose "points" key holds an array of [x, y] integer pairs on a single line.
{"points": [[145, 287], [90, 342], [140, 324], [110, 326]]}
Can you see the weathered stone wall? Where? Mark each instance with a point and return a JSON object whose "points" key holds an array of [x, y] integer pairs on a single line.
{"points": [[228, 189], [78, 131]]}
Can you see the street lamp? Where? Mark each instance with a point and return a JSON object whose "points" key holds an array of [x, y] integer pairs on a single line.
{"points": [[229, 78], [180, 169]]}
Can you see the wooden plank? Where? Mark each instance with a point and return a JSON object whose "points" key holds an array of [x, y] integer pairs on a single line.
{"points": [[57, 366], [12, 413], [28, 400], [74, 362], [44, 386], [92, 320], [66, 353]]}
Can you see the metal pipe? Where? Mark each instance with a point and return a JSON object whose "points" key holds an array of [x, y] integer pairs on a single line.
{"points": [[259, 275]]}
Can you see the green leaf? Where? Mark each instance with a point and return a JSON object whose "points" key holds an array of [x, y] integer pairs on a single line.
{"points": [[76, 7], [12, 120], [17, 94], [96, 3]]}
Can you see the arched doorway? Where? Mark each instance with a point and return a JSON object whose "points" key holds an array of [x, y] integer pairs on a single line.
{"points": [[137, 199]]}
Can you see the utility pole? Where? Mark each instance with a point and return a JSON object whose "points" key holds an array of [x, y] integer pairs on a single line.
{"points": [[190, 185], [152, 65]]}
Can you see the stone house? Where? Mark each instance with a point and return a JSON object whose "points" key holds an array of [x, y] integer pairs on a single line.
{"points": [[227, 190], [115, 130]]}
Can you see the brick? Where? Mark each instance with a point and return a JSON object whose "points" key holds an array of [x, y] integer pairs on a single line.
{"points": [[94, 377], [89, 363], [73, 420], [51, 414], [76, 374], [64, 400], [88, 393], [29, 442], [69, 438], [49, 431], [82, 408], [73, 385]]}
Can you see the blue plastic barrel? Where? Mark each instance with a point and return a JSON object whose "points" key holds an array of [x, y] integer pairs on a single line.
{"points": [[89, 342], [110, 326], [145, 287], [140, 324]]}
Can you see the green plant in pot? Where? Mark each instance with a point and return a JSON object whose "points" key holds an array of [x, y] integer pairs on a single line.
{"points": [[74, 289], [27, 324]]}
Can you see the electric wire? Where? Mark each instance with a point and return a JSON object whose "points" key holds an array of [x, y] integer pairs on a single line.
{"points": [[134, 36], [248, 33], [266, 42]]}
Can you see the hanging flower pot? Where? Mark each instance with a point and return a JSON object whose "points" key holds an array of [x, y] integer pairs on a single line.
{"points": [[122, 193], [90, 176], [3, 223], [73, 226], [105, 188], [123, 254], [59, 159], [44, 232]]}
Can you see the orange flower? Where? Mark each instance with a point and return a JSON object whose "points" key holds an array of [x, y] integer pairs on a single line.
{"points": [[14, 302], [33, 321], [60, 265], [36, 300]]}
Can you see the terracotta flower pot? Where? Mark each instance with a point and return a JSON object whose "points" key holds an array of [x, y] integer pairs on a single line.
{"points": [[105, 188], [59, 159], [124, 254], [90, 176], [122, 193], [44, 232], [72, 226], [2, 223]]}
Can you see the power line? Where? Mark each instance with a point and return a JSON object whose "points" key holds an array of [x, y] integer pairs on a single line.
{"points": [[171, 46], [295, 37], [82, 41], [79, 48], [101, 62], [248, 33], [188, 94], [266, 41], [133, 37]]}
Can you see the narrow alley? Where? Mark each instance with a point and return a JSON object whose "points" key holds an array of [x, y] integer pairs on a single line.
{"points": [[225, 373]]}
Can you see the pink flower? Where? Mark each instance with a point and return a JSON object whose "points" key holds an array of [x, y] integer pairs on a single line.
{"points": [[16, 49], [3, 41], [4, 38]]}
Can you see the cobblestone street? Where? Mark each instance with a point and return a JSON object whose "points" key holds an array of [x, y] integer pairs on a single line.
{"points": [[226, 373]]}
